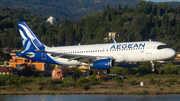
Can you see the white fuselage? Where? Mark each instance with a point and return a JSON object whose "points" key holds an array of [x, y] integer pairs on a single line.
{"points": [[121, 52]]}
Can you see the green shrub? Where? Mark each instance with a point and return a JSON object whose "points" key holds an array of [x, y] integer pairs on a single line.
{"points": [[178, 82], [93, 80], [19, 80], [14, 79], [77, 72], [40, 87], [169, 64], [171, 69], [118, 79], [138, 75], [120, 85], [152, 81], [179, 72], [85, 86], [101, 79], [2, 88], [5, 80], [133, 82], [16, 87], [171, 81], [82, 81], [54, 81], [41, 83], [144, 69], [51, 87], [69, 81]]}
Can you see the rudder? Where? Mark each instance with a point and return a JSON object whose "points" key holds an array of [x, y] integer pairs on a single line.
{"points": [[29, 39]]}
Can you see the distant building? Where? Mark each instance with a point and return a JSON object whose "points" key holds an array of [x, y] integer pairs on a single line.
{"points": [[4, 70], [83, 70], [177, 56], [7, 70], [6, 50], [19, 62], [61, 73], [110, 35], [51, 20]]}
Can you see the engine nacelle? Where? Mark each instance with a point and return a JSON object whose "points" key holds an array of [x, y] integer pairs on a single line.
{"points": [[103, 64], [129, 64]]}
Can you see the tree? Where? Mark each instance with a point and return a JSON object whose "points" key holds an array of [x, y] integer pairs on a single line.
{"points": [[108, 7], [34, 20], [108, 18], [142, 3], [119, 7], [178, 29], [169, 29], [157, 21]]}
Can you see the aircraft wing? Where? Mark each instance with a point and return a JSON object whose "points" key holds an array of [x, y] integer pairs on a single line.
{"points": [[80, 58]]}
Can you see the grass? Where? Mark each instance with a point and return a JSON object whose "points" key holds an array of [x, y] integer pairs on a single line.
{"points": [[170, 84]]}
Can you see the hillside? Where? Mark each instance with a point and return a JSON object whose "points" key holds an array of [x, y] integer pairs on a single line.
{"points": [[69, 9], [144, 22]]}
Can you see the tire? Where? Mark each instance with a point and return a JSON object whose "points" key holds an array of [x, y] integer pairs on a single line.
{"points": [[89, 72], [106, 71]]}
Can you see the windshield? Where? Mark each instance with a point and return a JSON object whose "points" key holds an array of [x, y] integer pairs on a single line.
{"points": [[162, 47]]}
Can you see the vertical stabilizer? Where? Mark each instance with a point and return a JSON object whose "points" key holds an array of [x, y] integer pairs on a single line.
{"points": [[29, 39]]}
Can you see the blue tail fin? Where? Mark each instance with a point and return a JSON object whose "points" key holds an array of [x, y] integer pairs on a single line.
{"points": [[29, 39]]}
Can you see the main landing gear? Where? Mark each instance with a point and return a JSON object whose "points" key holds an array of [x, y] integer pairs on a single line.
{"points": [[152, 64], [90, 72], [106, 71]]}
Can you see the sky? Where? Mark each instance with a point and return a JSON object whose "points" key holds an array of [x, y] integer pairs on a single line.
{"points": [[163, 0]]}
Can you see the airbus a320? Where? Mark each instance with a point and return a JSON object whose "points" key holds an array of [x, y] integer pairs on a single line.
{"points": [[98, 56]]}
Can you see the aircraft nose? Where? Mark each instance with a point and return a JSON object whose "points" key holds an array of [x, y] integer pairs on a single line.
{"points": [[172, 53]]}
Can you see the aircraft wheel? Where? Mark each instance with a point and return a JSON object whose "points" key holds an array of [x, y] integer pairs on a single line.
{"points": [[89, 72], [106, 71]]}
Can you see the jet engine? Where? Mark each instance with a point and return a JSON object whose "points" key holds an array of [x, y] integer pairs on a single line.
{"points": [[103, 64]]}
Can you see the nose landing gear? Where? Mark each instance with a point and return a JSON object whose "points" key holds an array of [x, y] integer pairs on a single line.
{"points": [[152, 64]]}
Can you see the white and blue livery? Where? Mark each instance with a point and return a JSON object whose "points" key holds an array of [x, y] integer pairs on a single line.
{"points": [[99, 56]]}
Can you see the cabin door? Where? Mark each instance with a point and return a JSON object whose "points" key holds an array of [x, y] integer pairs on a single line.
{"points": [[148, 48]]}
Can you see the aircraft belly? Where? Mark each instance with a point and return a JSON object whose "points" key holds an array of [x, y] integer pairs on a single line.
{"points": [[135, 56]]}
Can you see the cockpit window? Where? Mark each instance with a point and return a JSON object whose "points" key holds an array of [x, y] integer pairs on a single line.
{"points": [[162, 47]]}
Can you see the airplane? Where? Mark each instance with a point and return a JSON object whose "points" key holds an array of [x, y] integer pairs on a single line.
{"points": [[98, 56]]}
